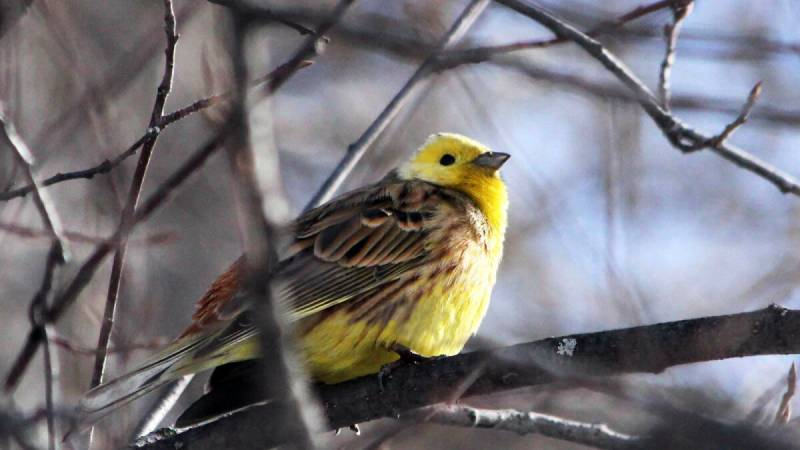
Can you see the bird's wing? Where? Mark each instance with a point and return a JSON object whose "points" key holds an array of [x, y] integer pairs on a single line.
{"points": [[342, 249]]}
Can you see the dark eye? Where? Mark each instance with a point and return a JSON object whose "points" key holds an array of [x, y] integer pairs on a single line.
{"points": [[447, 159]]}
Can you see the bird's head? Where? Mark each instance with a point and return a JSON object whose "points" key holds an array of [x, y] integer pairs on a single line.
{"points": [[458, 162], [451, 160]]}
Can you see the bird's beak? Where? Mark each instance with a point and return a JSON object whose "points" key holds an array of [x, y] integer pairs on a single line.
{"points": [[491, 160]]}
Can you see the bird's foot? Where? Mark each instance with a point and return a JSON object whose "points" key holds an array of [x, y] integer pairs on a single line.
{"points": [[407, 356]]}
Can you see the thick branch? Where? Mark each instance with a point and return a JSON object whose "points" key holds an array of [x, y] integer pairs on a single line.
{"points": [[643, 349]]}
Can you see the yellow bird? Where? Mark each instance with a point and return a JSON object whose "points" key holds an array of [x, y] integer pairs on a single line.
{"points": [[406, 263]]}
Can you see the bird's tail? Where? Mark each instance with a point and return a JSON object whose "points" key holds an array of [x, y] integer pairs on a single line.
{"points": [[109, 396], [165, 366]]}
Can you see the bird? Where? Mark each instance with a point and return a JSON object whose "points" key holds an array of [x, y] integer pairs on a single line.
{"points": [[403, 265]]}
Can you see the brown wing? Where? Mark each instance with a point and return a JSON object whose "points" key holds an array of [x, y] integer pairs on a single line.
{"points": [[344, 248], [356, 243]]}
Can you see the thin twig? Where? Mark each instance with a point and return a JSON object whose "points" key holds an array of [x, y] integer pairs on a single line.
{"points": [[167, 120], [476, 55], [720, 139], [680, 10], [359, 148], [24, 158], [273, 81], [159, 238], [134, 193], [84, 275], [280, 381], [522, 422], [87, 351], [680, 135], [37, 308], [784, 412]]}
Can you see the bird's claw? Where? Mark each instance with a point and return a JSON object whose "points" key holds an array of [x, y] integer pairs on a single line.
{"points": [[407, 356]]}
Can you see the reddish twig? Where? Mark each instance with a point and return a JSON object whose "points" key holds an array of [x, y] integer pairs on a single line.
{"points": [[680, 10], [159, 238], [129, 211], [784, 412], [86, 351]]}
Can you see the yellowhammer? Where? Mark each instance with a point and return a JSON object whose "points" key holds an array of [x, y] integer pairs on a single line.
{"points": [[407, 262]]}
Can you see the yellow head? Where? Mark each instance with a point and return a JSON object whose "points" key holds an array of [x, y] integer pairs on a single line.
{"points": [[458, 162]]}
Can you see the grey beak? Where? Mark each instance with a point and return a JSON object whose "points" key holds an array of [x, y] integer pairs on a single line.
{"points": [[492, 160]]}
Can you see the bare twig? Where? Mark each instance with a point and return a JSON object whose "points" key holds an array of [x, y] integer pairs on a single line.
{"points": [[159, 238], [643, 349], [784, 412], [310, 48], [475, 55], [24, 157], [66, 298], [280, 381], [680, 10], [37, 308], [522, 422], [720, 139], [359, 148], [71, 347], [165, 121], [134, 192], [57, 255], [680, 135]]}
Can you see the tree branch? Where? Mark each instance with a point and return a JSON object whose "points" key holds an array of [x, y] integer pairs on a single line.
{"points": [[680, 10], [643, 349], [117, 267], [680, 135], [523, 422], [359, 148]]}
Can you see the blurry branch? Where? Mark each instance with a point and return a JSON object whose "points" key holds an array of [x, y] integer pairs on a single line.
{"points": [[643, 349], [413, 48], [166, 120], [10, 13], [244, 9], [37, 307], [523, 422], [259, 249], [784, 412], [22, 154], [84, 275], [160, 238], [71, 347], [680, 9], [680, 135], [359, 148], [476, 55], [57, 255], [125, 224], [19, 426]]}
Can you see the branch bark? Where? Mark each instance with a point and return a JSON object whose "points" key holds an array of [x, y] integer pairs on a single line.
{"points": [[680, 135], [643, 349]]}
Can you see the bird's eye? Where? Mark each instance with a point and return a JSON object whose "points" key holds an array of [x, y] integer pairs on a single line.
{"points": [[447, 159]]}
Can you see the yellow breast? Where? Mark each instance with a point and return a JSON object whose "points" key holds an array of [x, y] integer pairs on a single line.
{"points": [[444, 307]]}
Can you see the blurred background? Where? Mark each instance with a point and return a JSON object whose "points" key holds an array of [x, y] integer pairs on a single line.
{"points": [[610, 226]]}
